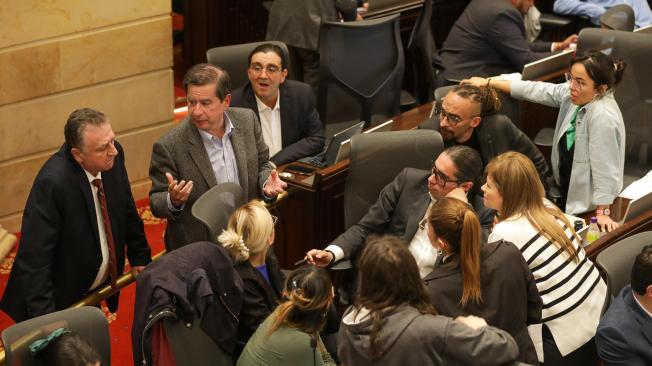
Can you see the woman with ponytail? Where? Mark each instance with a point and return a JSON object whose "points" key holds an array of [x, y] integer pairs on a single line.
{"points": [[588, 147], [248, 239], [393, 323], [491, 280], [290, 335], [570, 286]]}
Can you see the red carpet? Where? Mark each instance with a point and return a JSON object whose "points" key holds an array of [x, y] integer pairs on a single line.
{"points": [[120, 323]]}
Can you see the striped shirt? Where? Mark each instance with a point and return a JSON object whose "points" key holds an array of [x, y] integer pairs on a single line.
{"points": [[572, 292]]}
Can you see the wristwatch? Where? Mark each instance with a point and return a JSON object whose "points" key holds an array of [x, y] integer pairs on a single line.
{"points": [[605, 211]]}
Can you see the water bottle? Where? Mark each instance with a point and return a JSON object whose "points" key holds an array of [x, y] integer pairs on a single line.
{"points": [[593, 233]]}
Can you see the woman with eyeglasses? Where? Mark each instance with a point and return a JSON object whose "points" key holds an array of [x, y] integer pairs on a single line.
{"points": [[490, 280], [248, 239], [572, 291], [290, 335], [588, 151]]}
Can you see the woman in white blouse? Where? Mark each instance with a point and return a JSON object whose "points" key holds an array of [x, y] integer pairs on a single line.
{"points": [[569, 284]]}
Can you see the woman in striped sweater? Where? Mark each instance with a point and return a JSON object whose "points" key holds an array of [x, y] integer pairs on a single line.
{"points": [[569, 284]]}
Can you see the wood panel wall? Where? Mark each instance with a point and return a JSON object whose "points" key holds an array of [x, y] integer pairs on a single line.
{"points": [[60, 55]]}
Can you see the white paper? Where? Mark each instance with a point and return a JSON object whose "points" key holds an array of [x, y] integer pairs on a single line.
{"points": [[638, 188]]}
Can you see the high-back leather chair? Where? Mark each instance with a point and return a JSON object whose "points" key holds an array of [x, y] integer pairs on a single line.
{"points": [[233, 59], [215, 206], [419, 74], [377, 157], [620, 17], [361, 72], [88, 322], [633, 94], [616, 261]]}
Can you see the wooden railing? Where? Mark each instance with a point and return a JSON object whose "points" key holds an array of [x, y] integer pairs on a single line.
{"points": [[123, 281]]}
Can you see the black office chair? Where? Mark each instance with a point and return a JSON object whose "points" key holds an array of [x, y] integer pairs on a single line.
{"points": [[88, 322], [376, 158], [215, 206], [187, 306], [616, 261], [233, 59], [361, 72], [420, 77], [620, 17], [633, 94]]}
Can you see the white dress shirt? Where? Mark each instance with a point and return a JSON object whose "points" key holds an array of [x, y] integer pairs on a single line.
{"points": [[103, 272], [270, 121]]}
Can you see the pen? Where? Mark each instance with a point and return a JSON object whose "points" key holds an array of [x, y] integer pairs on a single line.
{"points": [[301, 262]]}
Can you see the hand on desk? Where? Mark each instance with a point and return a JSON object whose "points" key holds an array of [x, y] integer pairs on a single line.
{"points": [[605, 223], [179, 191], [319, 258], [274, 185]]}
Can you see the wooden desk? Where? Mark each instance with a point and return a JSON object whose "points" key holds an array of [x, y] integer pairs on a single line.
{"points": [[635, 226]]}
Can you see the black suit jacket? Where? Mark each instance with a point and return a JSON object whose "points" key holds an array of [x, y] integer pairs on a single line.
{"points": [[260, 297], [624, 336], [510, 299], [301, 130], [488, 39], [59, 253]]}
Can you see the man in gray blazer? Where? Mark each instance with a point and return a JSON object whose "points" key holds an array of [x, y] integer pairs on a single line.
{"points": [[214, 144]]}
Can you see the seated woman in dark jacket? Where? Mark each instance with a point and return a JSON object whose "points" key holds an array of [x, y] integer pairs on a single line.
{"points": [[491, 281], [248, 239], [290, 335], [392, 322]]}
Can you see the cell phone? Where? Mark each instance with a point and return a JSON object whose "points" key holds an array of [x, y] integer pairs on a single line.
{"points": [[299, 169]]}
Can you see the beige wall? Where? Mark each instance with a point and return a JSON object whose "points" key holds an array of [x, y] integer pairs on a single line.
{"points": [[59, 55]]}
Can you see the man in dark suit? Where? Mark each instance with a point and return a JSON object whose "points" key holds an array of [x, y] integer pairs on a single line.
{"points": [[488, 39], [468, 115], [68, 247], [402, 205], [214, 144], [285, 108], [624, 335]]}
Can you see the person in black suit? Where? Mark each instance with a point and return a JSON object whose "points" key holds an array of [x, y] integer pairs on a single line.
{"points": [[285, 108], [468, 115], [488, 39], [65, 250], [624, 335]]}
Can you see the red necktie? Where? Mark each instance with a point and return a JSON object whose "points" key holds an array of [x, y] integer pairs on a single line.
{"points": [[113, 267]]}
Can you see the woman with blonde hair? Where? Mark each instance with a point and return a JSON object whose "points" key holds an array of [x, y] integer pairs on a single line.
{"points": [[490, 280], [290, 335], [569, 284], [248, 239]]}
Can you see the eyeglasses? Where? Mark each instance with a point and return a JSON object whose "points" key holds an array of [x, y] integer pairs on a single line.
{"points": [[270, 69], [274, 220], [442, 178], [453, 119], [423, 224], [570, 79]]}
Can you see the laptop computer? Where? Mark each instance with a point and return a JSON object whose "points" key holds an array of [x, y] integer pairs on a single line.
{"points": [[637, 207], [338, 149], [548, 65]]}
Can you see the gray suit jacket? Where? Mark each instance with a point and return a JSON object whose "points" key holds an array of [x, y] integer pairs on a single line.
{"points": [[181, 152], [488, 39]]}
